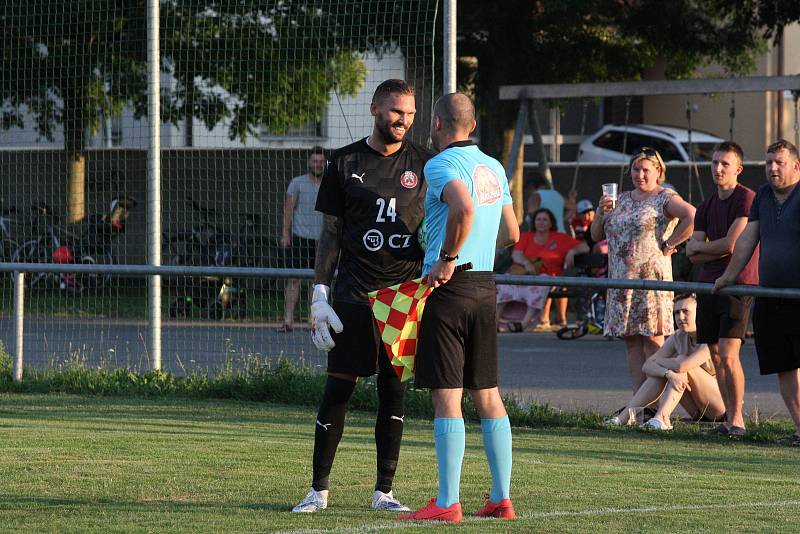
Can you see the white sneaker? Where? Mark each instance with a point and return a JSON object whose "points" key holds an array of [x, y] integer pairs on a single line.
{"points": [[656, 424], [387, 502], [613, 421], [313, 502]]}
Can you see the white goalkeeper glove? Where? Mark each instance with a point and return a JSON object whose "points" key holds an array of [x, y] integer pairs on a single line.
{"points": [[322, 318]]}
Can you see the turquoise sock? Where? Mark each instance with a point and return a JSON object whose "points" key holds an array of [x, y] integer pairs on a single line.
{"points": [[497, 444], [450, 440]]}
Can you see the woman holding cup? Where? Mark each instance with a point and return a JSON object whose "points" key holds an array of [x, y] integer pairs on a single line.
{"points": [[643, 227]]}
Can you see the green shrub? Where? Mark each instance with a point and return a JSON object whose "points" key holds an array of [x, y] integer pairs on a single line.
{"points": [[260, 379]]}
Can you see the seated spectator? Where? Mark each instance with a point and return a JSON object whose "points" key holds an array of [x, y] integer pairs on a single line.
{"points": [[582, 221], [544, 252], [680, 366]]}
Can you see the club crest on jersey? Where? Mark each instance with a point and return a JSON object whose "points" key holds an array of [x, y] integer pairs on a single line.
{"points": [[487, 185], [409, 180]]}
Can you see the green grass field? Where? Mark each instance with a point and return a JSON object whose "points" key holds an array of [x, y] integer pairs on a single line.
{"points": [[111, 465]]}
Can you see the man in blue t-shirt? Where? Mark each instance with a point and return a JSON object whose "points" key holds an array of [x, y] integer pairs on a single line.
{"points": [[468, 213], [773, 223]]}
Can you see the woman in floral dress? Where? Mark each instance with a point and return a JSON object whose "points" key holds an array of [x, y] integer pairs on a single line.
{"points": [[642, 230]]}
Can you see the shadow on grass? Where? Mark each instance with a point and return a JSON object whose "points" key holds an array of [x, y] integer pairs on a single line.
{"points": [[21, 502]]}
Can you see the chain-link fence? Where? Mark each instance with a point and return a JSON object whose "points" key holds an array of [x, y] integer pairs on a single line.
{"points": [[248, 90]]}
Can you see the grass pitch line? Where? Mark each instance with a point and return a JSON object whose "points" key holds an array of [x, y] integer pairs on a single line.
{"points": [[543, 515]]}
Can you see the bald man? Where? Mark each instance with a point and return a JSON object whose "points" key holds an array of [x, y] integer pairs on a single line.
{"points": [[468, 213]]}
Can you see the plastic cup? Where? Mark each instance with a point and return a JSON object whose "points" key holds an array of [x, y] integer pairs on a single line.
{"points": [[610, 190]]}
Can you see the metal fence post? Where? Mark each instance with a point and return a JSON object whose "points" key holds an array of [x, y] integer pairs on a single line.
{"points": [[449, 59], [154, 183], [19, 326]]}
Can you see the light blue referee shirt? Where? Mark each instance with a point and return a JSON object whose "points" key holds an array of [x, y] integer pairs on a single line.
{"points": [[486, 181]]}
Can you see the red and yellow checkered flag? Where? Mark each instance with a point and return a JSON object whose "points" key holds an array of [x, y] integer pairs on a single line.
{"points": [[398, 312]]}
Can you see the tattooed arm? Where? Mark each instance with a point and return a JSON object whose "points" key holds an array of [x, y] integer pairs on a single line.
{"points": [[328, 249]]}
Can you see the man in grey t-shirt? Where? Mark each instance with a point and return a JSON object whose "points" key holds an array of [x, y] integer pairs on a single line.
{"points": [[302, 225], [773, 222]]}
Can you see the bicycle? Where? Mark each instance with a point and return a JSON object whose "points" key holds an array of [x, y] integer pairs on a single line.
{"points": [[56, 244], [589, 303], [206, 244], [7, 242]]}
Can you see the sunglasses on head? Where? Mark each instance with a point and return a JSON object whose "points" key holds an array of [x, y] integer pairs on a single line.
{"points": [[647, 151]]}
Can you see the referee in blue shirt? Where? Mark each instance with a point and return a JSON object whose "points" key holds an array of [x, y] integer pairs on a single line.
{"points": [[468, 212]]}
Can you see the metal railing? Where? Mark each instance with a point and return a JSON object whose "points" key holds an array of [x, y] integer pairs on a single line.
{"points": [[21, 269]]}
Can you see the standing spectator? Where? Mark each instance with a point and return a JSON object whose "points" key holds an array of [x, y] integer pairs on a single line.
{"points": [[680, 366], [468, 212], [371, 197], [543, 196], [643, 227], [302, 225], [722, 319], [773, 223]]}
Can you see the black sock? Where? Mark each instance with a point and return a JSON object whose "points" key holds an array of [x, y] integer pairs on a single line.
{"points": [[329, 427], [388, 427]]}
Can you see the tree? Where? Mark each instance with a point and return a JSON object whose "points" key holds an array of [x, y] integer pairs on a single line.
{"points": [[245, 63], [565, 41]]}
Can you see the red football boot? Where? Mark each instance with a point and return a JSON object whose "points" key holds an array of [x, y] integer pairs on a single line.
{"points": [[503, 509], [432, 512]]}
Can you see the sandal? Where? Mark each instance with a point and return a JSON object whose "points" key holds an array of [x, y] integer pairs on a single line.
{"points": [[737, 432], [791, 441], [720, 430]]}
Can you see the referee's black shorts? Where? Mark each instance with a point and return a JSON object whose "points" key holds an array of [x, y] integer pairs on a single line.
{"points": [[359, 350], [776, 334], [458, 336]]}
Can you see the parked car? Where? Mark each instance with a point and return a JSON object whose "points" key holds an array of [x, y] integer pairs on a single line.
{"points": [[672, 143]]}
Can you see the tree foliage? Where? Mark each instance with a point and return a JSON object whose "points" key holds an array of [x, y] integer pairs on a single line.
{"points": [[246, 63], [565, 41]]}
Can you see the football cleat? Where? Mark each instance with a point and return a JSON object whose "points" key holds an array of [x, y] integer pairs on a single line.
{"points": [[503, 509], [387, 502], [432, 512], [315, 501]]}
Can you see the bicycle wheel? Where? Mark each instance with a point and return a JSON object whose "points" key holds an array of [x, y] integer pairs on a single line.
{"points": [[96, 280], [30, 252], [572, 332]]}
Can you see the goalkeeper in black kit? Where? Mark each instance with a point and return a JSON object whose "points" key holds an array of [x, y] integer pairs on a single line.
{"points": [[371, 198]]}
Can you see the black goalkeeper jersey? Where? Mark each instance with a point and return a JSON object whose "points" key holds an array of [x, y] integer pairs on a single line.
{"points": [[380, 201]]}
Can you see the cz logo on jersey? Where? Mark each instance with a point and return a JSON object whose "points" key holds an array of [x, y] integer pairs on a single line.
{"points": [[373, 240], [487, 185], [409, 180]]}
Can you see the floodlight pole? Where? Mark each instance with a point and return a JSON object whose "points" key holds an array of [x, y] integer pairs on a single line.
{"points": [[449, 56], [154, 184]]}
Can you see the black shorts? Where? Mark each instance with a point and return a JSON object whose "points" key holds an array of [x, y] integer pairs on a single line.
{"points": [[722, 316], [777, 335], [301, 254], [458, 335], [359, 349]]}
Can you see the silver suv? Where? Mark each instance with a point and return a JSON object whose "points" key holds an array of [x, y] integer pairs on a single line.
{"points": [[671, 143]]}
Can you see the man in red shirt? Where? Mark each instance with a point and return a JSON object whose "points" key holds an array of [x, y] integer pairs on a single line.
{"points": [[722, 319]]}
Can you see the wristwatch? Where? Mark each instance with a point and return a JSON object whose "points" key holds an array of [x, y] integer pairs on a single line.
{"points": [[444, 256]]}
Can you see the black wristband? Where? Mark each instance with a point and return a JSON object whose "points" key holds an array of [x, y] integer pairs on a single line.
{"points": [[444, 256]]}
